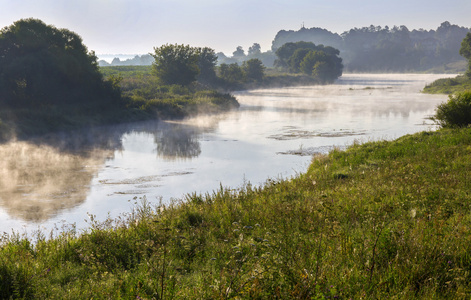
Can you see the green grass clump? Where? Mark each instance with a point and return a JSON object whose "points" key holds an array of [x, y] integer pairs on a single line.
{"points": [[379, 220], [458, 84]]}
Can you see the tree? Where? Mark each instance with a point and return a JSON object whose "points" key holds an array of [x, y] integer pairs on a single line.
{"points": [[239, 52], [176, 64], [465, 51], [322, 66], [231, 73], [285, 52], [254, 69], [323, 63], [295, 60], [42, 65], [206, 64], [255, 49]]}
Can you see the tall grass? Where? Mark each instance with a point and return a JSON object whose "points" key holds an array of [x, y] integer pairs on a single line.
{"points": [[379, 220], [458, 84]]}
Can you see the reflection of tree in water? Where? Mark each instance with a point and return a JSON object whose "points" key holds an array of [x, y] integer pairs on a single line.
{"points": [[38, 182], [177, 141], [40, 177], [44, 175]]}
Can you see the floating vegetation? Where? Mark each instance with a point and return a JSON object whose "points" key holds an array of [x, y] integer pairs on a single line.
{"points": [[371, 88], [143, 179], [292, 133], [310, 151]]}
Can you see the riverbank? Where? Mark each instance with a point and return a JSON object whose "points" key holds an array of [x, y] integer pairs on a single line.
{"points": [[382, 219], [139, 104], [460, 83], [142, 98]]}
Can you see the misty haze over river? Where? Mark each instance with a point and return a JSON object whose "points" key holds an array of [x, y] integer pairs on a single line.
{"points": [[274, 134]]}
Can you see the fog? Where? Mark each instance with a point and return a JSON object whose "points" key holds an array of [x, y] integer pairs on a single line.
{"points": [[63, 177], [36, 182]]}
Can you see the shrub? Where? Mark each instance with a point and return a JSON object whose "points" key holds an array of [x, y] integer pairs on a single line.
{"points": [[456, 112]]}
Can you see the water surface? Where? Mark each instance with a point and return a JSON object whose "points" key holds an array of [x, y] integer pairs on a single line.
{"points": [[58, 180]]}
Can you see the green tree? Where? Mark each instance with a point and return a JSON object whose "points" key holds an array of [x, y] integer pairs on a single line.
{"points": [[287, 50], [465, 51], [254, 69], [322, 66], [231, 73], [42, 65], [207, 64], [296, 58], [176, 64], [239, 53], [255, 49]]}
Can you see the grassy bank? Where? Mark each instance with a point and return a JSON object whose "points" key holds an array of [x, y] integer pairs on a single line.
{"points": [[449, 85], [380, 220], [141, 98]]}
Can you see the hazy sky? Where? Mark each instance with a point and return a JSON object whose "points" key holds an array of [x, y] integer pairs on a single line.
{"points": [[136, 26]]}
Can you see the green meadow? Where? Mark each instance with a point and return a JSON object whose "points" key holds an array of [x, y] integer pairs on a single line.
{"points": [[386, 219]]}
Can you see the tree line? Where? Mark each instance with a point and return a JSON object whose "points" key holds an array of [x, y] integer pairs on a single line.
{"points": [[43, 66], [377, 48]]}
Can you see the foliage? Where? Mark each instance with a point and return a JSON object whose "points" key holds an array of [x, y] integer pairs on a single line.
{"points": [[41, 65], [456, 112], [323, 67], [231, 73], [379, 220], [254, 69], [239, 52], [323, 63], [465, 51], [255, 49], [207, 60], [149, 97], [385, 49], [449, 85], [176, 64]]}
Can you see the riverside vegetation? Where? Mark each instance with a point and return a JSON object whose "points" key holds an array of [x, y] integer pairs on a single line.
{"points": [[461, 83], [49, 81], [381, 219]]}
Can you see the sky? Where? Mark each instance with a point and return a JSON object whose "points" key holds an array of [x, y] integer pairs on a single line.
{"points": [[137, 26]]}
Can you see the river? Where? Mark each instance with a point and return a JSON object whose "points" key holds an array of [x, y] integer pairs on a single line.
{"points": [[61, 179]]}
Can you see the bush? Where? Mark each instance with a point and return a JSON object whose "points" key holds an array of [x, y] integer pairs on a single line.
{"points": [[456, 112]]}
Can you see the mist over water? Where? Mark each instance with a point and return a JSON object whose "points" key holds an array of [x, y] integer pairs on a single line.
{"points": [[275, 132]]}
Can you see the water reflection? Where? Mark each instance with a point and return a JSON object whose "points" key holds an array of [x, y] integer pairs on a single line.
{"points": [[42, 176], [273, 134], [177, 141], [36, 182]]}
